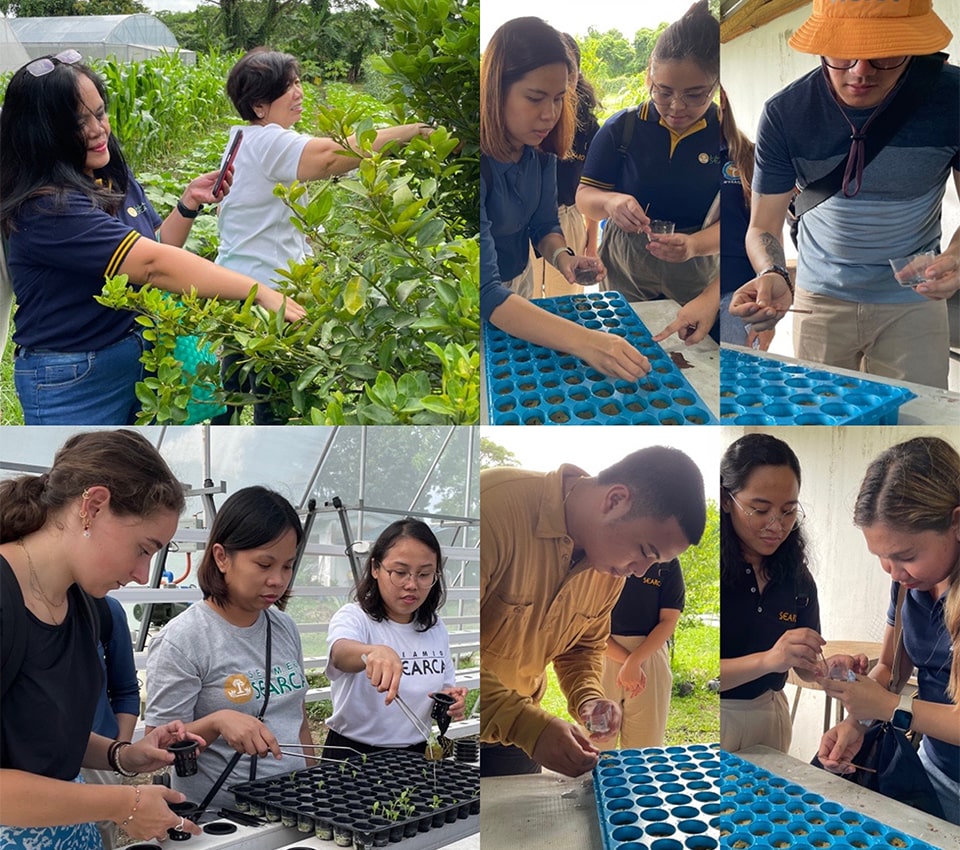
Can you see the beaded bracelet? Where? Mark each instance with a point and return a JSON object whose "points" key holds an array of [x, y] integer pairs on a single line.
{"points": [[113, 758], [136, 803]]}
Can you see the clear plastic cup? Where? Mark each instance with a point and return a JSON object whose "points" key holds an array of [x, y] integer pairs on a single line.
{"points": [[909, 271], [659, 226]]}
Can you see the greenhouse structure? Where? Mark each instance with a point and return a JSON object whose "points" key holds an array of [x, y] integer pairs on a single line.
{"points": [[126, 38], [347, 484]]}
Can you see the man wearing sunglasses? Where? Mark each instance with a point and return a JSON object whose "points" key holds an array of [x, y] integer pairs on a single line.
{"points": [[555, 549], [871, 139]]}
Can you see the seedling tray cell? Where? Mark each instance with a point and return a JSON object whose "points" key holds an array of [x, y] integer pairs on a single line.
{"points": [[528, 384], [759, 809], [659, 798], [388, 796], [760, 391]]}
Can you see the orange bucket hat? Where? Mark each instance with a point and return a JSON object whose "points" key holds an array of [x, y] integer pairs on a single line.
{"points": [[871, 29]]}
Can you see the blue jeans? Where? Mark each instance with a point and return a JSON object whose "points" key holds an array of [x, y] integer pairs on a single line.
{"points": [[732, 330], [80, 388]]}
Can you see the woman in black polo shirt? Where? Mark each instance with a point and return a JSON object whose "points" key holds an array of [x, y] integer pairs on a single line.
{"points": [[771, 617]]}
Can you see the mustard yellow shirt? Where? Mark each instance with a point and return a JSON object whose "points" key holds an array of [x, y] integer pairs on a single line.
{"points": [[534, 606]]}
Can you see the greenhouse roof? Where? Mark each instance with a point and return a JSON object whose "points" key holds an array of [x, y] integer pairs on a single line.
{"points": [[94, 29]]}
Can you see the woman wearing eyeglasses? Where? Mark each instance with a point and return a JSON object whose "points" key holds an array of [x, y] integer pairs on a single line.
{"points": [[73, 213], [669, 170], [771, 616], [391, 641]]}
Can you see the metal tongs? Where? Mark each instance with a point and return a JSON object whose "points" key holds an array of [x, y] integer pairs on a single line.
{"points": [[433, 745]]}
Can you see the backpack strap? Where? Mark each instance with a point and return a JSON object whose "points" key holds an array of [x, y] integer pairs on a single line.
{"points": [[626, 136], [13, 627], [103, 624], [918, 81]]}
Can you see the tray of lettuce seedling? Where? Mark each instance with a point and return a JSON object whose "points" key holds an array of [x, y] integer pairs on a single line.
{"points": [[366, 801], [528, 384]]}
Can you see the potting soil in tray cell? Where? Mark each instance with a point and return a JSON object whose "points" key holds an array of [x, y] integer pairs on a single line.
{"points": [[658, 798], [759, 809], [528, 384], [359, 802], [759, 391]]}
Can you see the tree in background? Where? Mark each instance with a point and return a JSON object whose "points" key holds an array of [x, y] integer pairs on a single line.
{"points": [[60, 8], [493, 454]]}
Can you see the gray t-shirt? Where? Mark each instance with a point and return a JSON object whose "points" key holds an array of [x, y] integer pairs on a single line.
{"points": [[199, 663]]}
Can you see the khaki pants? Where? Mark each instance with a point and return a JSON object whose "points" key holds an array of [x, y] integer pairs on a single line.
{"points": [[522, 284], [549, 282], [644, 716], [634, 271], [909, 342], [762, 720]]}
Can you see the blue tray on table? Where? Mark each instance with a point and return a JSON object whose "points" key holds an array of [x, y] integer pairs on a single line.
{"points": [[528, 384]]}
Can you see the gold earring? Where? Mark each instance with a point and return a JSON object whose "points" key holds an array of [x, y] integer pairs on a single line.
{"points": [[83, 514]]}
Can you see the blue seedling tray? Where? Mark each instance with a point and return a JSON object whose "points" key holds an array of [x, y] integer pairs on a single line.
{"points": [[760, 391], [528, 384], [759, 809], [659, 798]]}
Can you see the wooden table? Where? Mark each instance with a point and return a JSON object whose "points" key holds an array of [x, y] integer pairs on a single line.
{"points": [[704, 357], [833, 647], [901, 817], [931, 406]]}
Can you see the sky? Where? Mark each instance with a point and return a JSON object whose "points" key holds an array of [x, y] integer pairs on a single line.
{"points": [[594, 449], [575, 18]]}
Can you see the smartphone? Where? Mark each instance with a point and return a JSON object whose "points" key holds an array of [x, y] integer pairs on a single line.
{"points": [[231, 156]]}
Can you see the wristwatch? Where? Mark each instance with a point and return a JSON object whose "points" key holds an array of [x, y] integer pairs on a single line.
{"points": [[565, 249], [780, 270], [903, 715]]}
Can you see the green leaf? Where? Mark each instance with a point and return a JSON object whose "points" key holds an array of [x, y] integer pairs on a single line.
{"points": [[355, 295]]}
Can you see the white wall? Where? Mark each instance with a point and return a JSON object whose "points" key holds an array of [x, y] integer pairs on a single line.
{"points": [[853, 589]]}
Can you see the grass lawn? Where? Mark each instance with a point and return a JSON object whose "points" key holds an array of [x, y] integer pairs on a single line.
{"points": [[693, 719]]}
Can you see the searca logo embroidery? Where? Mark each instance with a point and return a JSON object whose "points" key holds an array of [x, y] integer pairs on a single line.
{"points": [[731, 174], [708, 159], [237, 689], [284, 678]]}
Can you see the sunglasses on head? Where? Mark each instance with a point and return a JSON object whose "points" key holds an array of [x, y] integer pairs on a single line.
{"points": [[44, 65]]}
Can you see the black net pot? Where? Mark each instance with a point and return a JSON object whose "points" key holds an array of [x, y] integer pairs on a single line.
{"points": [[381, 831], [323, 827], [463, 810], [451, 814], [438, 818], [410, 827], [305, 823], [288, 817], [425, 822], [396, 833], [363, 835], [342, 833]]}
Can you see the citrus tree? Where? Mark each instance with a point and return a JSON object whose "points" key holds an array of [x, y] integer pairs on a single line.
{"points": [[392, 287]]}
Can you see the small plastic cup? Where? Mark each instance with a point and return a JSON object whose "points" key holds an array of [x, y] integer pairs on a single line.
{"points": [[659, 226], [909, 271], [600, 719], [587, 274], [185, 757]]}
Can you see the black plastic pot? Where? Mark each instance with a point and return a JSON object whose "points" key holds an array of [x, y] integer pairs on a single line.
{"points": [[438, 711], [184, 757]]}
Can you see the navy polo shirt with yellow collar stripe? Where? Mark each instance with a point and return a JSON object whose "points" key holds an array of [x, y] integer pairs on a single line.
{"points": [[59, 254], [678, 175], [753, 622]]}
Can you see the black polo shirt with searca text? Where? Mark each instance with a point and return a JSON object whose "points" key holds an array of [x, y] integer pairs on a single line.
{"points": [[638, 609], [753, 622]]}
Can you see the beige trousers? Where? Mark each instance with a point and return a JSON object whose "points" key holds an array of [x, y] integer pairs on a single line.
{"points": [[762, 720], [644, 716], [910, 342], [107, 828]]}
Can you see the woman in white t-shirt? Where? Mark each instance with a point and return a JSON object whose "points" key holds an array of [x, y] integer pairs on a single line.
{"points": [[256, 234], [391, 641]]}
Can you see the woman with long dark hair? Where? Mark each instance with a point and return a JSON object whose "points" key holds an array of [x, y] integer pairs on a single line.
{"points": [[74, 213], [392, 639], [527, 120], [771, 616], [215, 663]]}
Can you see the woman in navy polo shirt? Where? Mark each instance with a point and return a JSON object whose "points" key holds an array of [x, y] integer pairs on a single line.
{"points": [[771, 616], [669, 170], [73, 213], [908, 509], [527, 116]]}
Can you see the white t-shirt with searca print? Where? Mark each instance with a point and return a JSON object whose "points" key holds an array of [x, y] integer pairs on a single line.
{"points": [[199, 663], [358, 708]]}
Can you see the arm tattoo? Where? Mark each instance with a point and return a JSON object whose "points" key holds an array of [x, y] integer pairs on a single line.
{"points": [[774, 249]]}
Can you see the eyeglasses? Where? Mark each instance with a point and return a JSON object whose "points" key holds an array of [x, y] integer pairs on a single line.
{"points": [[43, 66], [399, 578], [692, 99], [887, 64], [759, 519]]}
